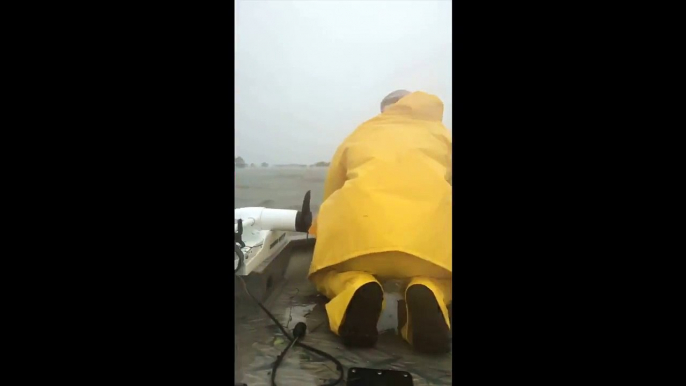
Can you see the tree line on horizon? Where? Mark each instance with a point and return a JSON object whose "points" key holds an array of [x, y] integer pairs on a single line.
{"points": [[239, 162]]}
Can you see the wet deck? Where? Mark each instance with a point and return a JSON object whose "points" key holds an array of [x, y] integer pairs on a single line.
{"points": [[295, 299]]}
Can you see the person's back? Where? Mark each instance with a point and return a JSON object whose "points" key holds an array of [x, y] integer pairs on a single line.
{"points": [[388, 190], [387, 212]]}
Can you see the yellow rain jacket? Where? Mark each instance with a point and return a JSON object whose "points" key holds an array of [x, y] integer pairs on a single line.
{"points": [[389, 188]]}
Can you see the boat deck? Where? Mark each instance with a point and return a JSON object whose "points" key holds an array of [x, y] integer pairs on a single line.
{"points": [[292, 298]]}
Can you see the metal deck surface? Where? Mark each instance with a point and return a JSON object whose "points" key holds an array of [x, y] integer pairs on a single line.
{"points": [[294, 300]]}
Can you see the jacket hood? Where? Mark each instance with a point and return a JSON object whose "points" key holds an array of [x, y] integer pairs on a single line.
{"points": [[418, 105]]}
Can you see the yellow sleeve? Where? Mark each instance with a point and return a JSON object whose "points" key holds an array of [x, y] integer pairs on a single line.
{"points": [[335, 178]]}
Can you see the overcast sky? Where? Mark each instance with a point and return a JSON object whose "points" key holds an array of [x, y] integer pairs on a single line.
{"points": [[309, 72]]}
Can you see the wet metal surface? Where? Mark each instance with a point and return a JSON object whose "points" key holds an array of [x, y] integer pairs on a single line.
{"points": [[295, 300]]}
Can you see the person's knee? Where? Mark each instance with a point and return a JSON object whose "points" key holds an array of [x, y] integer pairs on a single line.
{"points": [[332, 283]]}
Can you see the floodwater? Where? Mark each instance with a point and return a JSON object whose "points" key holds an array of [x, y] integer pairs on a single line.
{"points": [[279, 188]]}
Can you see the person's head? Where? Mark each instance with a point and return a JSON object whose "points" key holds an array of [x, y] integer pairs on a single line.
{"points": [[392, 98]]}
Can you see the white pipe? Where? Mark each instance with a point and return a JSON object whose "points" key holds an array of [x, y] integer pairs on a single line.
{"points": [[267, 219], [278, 220]]}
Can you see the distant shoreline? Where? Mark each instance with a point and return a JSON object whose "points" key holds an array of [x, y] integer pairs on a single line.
{"points": [[239, 163], [281, 166], [301, 166]]}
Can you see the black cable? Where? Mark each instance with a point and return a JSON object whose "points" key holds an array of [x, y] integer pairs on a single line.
{"points": [[280, 358], [239, 253], [250, 247], [338, 364], [299, 332]]}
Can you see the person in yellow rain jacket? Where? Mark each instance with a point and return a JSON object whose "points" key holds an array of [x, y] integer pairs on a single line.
{"points": [[387, 214]]}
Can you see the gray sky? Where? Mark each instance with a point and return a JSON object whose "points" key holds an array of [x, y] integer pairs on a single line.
{"points": [[309, 72]]}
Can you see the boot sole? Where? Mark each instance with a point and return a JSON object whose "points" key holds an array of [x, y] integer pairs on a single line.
{"points": [[430, 334], [359, 324]]}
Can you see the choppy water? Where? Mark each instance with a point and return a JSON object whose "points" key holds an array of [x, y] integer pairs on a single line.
{"points": [[279, 188]]}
